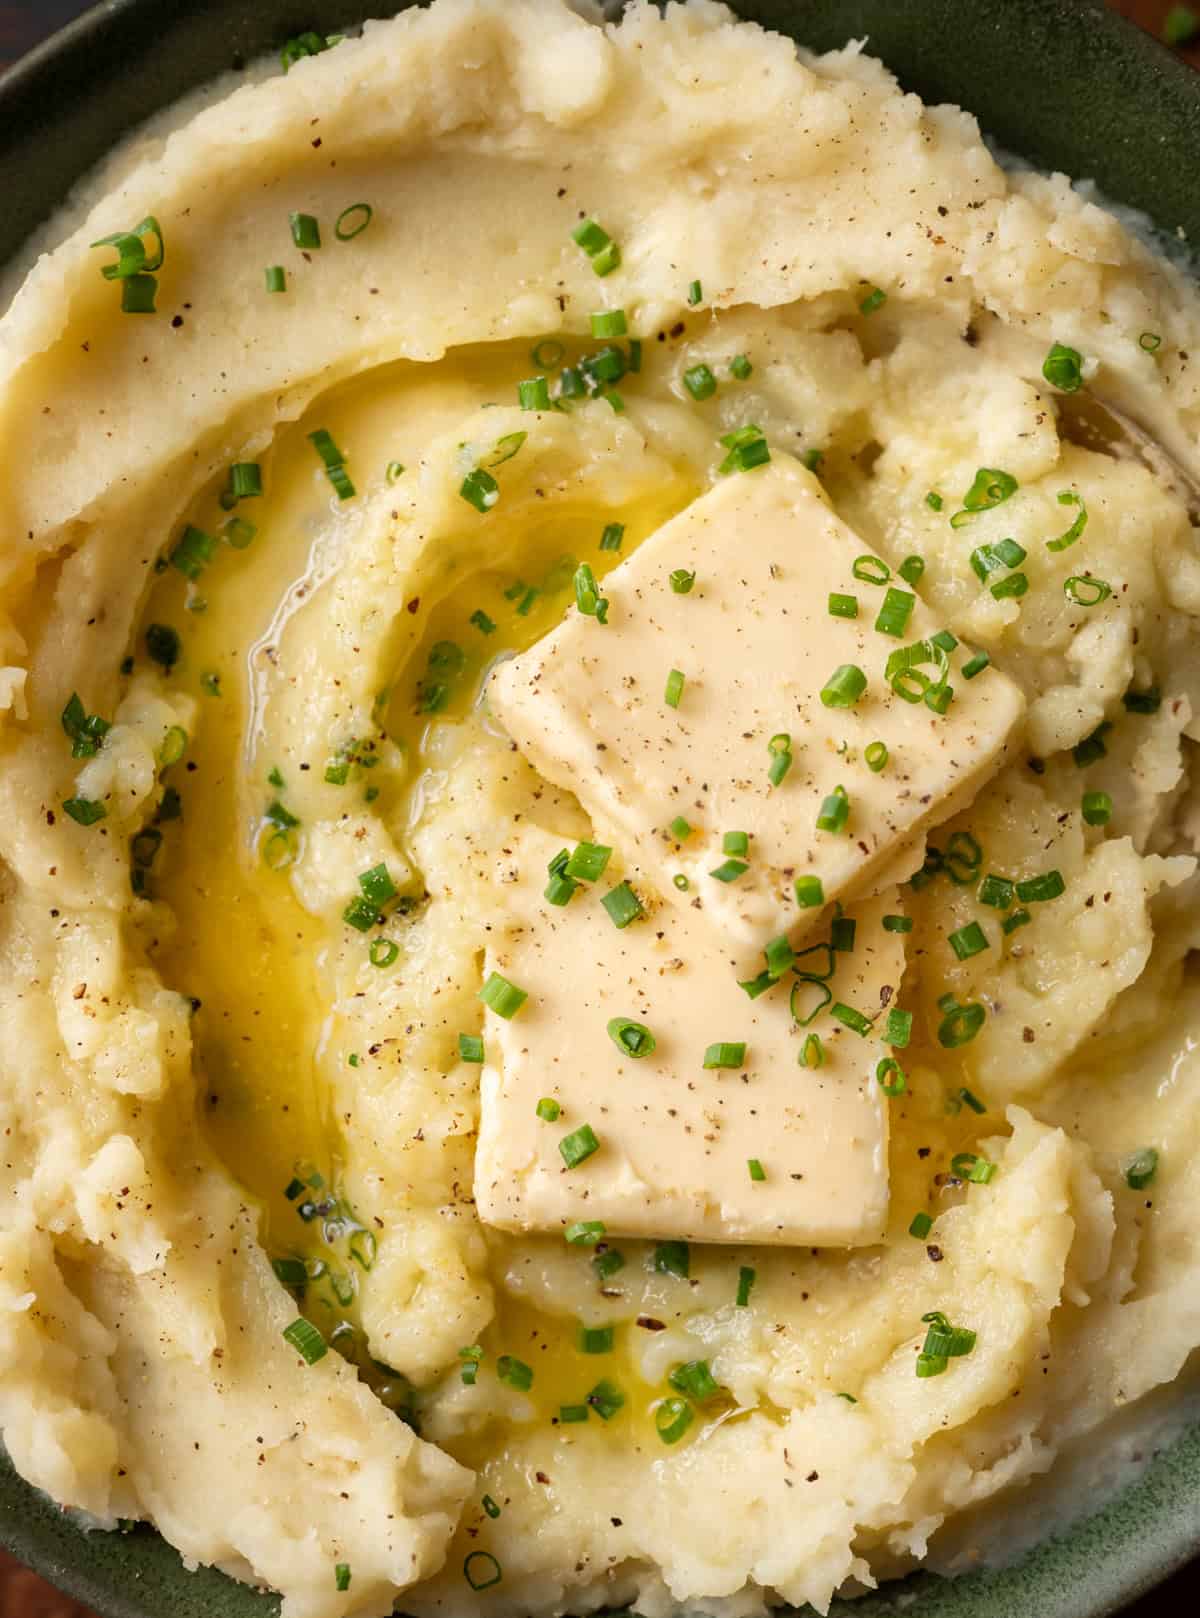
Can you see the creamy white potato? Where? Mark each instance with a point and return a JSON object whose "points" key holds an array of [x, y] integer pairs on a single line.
{"points": [[259, 821]]}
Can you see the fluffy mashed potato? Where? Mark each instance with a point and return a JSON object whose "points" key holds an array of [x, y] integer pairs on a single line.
{"points": [[232, 1101]]}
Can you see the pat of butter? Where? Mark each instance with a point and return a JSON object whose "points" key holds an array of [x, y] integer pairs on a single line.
{"points": [[676, 1139], [755, 643]]}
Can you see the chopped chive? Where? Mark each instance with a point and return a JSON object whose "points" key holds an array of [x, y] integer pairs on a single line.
{"points": [[377, 884], [870, 569], [700, 382], [1063, 368], [341, 1576], [595, 1339], [276, 278], [810, 892], [631, 1038], [548, 1110], [588, 861], [1068, 497], [138, 294], [849, 1018], [480, 620], [890, 1077], [1092, 747], [672, 1418], [679, 829], [740, 367], [875, 299], [1019, 918], [674, 688], [534, 394], [194, 552], [609, 323], [911, 569], [969, 1166], [1097, 808], [481, 1570], [726, 1053], [876, 756], [756, 1170], [934, 500], [996, 891], [673, 1258], [359, 215], [897, 924], [607, 259], [681, 882], [571, 384], [635, 355], [290, 1271], [729, 870], [895, 612], [897, 1029], [1040, 888], [606, 1399], [780, 749], [84, 811], [695, 292], [987, 559], [812, 1052], [967, 941], [480, 489], [245, 480], [842, 606], [490, 1506], [970, 1099], [695, 1378], [587, 595], [361, 915], [163, 645], [570, 1414], [813, 459], [237, 533], [306, 1340], [1086, 591], [470, 1048], [808, 985], [1141, 1168], [991, 487], [922, 1224], [834, 811], [844, 687], [501, 996], [681, 581], [746, 1280], [383, 952], [747, 448], [960, 1025], [584, 1232], [306, 232], [975, 665], [1012, 588], [1142, 702], [841, 934], [591, 236], [623, 905], [578, 1146], [735, 842], [610, 539], [1150, 341]]}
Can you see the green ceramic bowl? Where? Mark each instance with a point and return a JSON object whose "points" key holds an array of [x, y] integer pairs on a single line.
{"points": [[1066, 84]]}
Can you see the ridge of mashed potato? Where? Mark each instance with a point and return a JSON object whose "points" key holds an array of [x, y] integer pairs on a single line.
{"points": [[202, 1068]]}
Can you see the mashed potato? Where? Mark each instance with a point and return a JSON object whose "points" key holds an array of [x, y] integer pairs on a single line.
{"points": [[236, 1101]]}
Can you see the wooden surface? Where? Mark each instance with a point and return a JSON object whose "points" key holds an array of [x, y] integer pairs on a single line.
{"points": [[22, 1594]]}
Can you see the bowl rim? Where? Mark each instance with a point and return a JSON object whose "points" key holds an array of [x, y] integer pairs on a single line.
{"points": [[1149, 1529]]}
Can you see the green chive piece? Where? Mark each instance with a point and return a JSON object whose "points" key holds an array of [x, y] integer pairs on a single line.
{"points": [[895, 612], [306, 232], [383, 952], [975, 665], [1141, 1168], [276, 278], [729, 870], [481, 1570], [377, 885], [996, 891], [897, 1029], [726, 1053], [1063, 368], [753, 987], [842, 606], [740, 367], [921, 1225], [812, 1052], [306, 1340], [352, 221], [470, 1048], [501, 996], [1019, 918], [623, 905], [844, 687], [1040, 888], [813, 459], [757, 1172], [138, 293], [534, 394], [1012, 588], [609, 323], [780, 749], [595, 240], [960, 1025], [970, 1099], [967, 941], [587, 595], [490, 1506], [890, 1077], [911, 568], [1150, 342], [673, 1258], [610, 539], [578, 1146], [934, 500], [681, 882], [871, 569], [969, 1166], [849, 1018], [876, 756], [810, 892], [569, 1414], [695, 1378], [897, 924], [480, 489], [672, 1418], [991, 487], [341, 1576], [194, 552], [835, 811], [680, 830], [1092, 747], [700, 382], [595, 1339], [747, 448], [681, 581], [606, 1399], [361, 915], [1085, 591], [548, 1110], [841, 934], [695, 292], [245, 480], [1097, 808], [735, 842], [84, 811], [588, 862], [584, 1232], [631, 1038], [1068, 497], [480, 620], [875, 299], [746, 1280], [674, 688], [1142, 702]]}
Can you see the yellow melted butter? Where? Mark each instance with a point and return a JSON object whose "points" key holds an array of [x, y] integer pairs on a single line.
{"points": [[242, 945]]}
